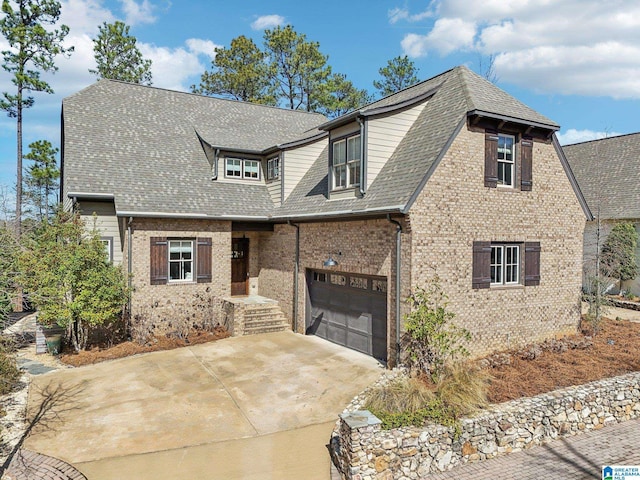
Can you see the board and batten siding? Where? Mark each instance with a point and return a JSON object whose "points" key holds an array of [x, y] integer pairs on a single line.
{"points": [[383, 136], [298, 161], [106, 223]]}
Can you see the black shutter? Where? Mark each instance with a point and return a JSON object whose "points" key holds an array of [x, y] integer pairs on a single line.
{"points": [[532, 263], [526, 164], [159, 261], [203, 259], [481, 265], [491, 159]]}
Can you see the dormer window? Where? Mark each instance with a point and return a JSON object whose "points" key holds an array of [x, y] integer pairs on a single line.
{"points": [[242, 168], [346, 162], [273, 168]]}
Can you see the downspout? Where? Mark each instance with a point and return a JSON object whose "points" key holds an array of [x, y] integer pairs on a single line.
{"points": [[296, 269], [129, 267], [398, 267], [361, 187]]}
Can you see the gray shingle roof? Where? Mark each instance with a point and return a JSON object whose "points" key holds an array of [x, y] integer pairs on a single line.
{"points": [[140, 144], [608, 172], [457, 92]]}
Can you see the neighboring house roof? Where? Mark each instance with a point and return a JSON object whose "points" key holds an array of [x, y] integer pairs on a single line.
{"points": [[139, 144], [454, 94], [145, 145], [607, 172]]}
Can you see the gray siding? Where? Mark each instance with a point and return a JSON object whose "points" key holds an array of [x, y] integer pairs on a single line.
{"points": [[297, 162], [106, 223], [275, 191], [383, 136]]}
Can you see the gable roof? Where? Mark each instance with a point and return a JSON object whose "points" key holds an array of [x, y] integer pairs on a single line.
{"points": [[607, 172], [140, 144], [452, 96], [152, 149]]}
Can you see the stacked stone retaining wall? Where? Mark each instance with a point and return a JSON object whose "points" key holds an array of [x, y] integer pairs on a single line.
{"points": [[362, 450]]}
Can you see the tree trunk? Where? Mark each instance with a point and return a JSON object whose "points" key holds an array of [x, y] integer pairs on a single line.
{"points": [[19, 167]]}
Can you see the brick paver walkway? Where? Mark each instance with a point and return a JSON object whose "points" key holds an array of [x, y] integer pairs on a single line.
{"points": [[578, 457], [28, 465]]}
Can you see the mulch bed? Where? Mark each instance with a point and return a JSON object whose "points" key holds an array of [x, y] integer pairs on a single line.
{"points": [[614, 350], [127, 349]]}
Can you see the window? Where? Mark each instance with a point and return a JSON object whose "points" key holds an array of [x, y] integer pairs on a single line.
{"points": [[505, 264], [346, 162], [496, 264], [506, 160], [273, 168], [180, 260], [242, 168], [234, 167], [108, 247]]}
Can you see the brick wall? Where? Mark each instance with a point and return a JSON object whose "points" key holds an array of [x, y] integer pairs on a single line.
{"points": [[170, 307], [456, 209]]}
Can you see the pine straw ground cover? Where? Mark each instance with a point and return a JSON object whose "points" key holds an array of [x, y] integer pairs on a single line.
{"points": [[127, 349], [614, 350]]}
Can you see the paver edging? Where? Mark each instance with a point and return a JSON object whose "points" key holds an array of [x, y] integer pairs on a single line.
{"points": [[29, 465], [361, 449]]}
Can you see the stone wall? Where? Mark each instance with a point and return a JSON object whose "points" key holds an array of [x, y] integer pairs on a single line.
{"points": [[362, 450], [455, 209]]}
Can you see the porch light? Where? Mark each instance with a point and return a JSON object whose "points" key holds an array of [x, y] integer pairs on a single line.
{"points": [[330, 262]]}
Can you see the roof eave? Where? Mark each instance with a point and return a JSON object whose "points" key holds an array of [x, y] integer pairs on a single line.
{"points": [[91, 196], [506, 118]]}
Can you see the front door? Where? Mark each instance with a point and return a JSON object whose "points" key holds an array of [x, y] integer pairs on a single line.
{"points": [[239, 266]]}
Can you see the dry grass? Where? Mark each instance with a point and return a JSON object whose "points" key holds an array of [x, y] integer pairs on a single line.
{"points": [[127, 349], [463, 388], [615, 351], [400, 395]]}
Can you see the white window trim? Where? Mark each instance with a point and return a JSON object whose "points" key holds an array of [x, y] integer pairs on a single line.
{"points": [[502, 263], [243, 171], [192, 261], [511, 162], [347, 165], [108, 244], [273, 168]]}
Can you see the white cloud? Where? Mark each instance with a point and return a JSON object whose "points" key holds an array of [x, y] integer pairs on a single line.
{"points": [[267, 21], [585, 47], [171, 67], [202, 47], [397, 14], [576, 136], [447, 35], [137, 13]]}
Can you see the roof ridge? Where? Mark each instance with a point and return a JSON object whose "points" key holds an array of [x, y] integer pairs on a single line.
{"points": [[613, 137], [198, 95]]}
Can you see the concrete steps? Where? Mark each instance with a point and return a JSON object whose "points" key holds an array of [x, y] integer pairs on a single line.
{"points": [[264, 319]]}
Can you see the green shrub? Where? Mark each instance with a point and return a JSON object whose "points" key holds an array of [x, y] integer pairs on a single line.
{"points": [[463, 388], [431, 340]]}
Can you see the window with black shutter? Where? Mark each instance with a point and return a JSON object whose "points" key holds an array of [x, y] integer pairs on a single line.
{"points": [[498, 264], [491, 159]]}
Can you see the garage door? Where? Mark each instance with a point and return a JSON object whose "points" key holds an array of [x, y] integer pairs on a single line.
{"points": [[348, 309]]}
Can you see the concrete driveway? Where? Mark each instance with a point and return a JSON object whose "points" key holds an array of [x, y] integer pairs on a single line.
{"points": [[247, 407]]}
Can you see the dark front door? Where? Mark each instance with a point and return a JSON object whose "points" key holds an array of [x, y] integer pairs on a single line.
{"points": [[239, 266]]}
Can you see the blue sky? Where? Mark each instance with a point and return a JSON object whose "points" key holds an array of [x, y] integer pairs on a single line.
{"points": [[575, 61]]}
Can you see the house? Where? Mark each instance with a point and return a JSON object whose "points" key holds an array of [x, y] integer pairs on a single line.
{"points": [[607, 171], [205, 201]]}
